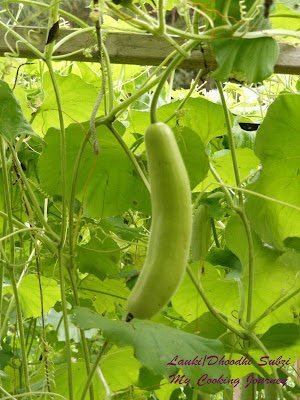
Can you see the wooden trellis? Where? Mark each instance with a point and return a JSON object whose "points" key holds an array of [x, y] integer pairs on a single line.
{"points": [[127, 48]]}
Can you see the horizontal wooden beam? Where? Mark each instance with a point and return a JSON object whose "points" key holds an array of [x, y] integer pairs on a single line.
{"points": [[127, 48]]}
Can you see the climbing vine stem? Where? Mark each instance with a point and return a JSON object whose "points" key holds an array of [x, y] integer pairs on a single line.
{"points": [[8, 206], [240, 209]]}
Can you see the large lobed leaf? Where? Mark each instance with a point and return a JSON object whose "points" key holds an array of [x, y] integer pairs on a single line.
{"points": [[199, 114], [282, 269], [278, 147], [156, 345], [247, 60], [30, 295], [77, 100], [107, 185]]}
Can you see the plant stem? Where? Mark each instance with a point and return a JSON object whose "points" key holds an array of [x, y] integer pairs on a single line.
{"points": [[64, 228], [251, 271], [152, 81], [20, 38], [35, 203], [93, 370], [224, 188], [267, 33], [215, 233], [66, 322], [161, 16], [8, 396], [7, 201], [23, 395], [130, 156], [9, 308], [263, 196], [229, 134], [173, 64], [62, 153], [109, 75], [248, 393], [270, 392], [85, 349], [274, 307], [225, 11], [266, 352], [71, 36], [63, 165], [189, 93], [72, 17], [220, 317], [241, 210]]}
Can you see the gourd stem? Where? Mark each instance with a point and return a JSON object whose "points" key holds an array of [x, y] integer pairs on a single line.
{"points": [[165, 75]]}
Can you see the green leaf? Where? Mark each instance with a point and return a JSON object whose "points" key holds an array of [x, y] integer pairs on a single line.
{"points": [[278, 147], [206, 326], [286, 16], [190, 144], [234, 13], [170, 4], [105, 295], [222, 161], [139, 121], [246, 160], [30, 297], [292, 243], [292, 4], [281, 335], [221, 292], [121, 229], [268, 262], [107, 185], [12, 120], [242, 59], [112, 368], [201, 115], [6, 354], [283, 344], [208, 7], [224, 258], [193, 154], [100, 256], [156, 345], [165, 390], [77, 97], [148, 380]]}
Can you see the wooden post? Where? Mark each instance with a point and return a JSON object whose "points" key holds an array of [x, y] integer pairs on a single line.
{"points": [[237, 392], [128, 48]]}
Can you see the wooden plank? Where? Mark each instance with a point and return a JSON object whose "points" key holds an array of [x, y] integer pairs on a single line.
{"points": [[128, 48], [289, 60]]}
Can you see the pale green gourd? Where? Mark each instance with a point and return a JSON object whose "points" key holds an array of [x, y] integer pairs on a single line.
{"points": [[201, 233], [170, 234]]}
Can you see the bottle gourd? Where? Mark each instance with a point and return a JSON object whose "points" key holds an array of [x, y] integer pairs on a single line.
{"points": [[201, 232], [171, 227]]}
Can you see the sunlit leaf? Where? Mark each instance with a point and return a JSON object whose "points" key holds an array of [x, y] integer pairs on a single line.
{"points": [[12, 120]]}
